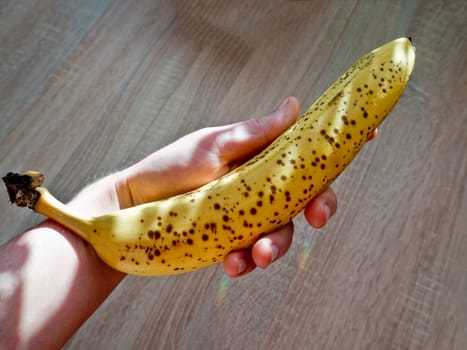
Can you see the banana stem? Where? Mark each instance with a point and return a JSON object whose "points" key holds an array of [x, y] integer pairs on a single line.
{"points": [[24, 190], [51, 207]]}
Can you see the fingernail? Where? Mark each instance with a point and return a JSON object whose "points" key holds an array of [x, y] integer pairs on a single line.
{"points": [[283, 104], [274, 253], [327, 211], [241, 266]]}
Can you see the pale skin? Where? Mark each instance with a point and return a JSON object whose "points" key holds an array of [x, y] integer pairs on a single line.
{"points": [[51, 280]]}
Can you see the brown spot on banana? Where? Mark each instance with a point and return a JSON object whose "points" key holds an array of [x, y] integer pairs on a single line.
{"points": [[200, 228]]}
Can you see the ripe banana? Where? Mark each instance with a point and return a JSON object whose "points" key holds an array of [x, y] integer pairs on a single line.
{"points": [[201, 227]]}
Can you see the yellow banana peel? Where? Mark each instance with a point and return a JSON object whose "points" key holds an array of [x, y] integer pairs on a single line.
{"points": [[201, 227]]}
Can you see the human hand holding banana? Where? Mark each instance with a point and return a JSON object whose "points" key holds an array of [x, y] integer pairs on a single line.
{"points": [[209, 153], [199, 158]]}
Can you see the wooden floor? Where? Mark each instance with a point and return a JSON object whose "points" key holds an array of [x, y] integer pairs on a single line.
{"points": [[87, 87]]}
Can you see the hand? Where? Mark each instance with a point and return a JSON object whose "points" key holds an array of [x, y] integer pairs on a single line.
{"points": [[209, 153]]}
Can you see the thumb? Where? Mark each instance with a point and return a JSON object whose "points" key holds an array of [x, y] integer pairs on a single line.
{"points": [[243, 140], [204, 155]]}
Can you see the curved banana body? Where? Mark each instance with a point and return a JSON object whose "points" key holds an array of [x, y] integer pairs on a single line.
{"points": [[199, 228]]}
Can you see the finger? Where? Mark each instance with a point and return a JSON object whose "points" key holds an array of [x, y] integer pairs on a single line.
{"points": [[245, 139], [373, 135], [265, 251], [321, 208], [272, 246], [239, 263]]}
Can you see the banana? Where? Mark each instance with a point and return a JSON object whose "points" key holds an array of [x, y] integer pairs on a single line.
{"points": [[201, 227]]}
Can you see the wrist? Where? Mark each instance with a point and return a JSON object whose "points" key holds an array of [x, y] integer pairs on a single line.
{"points": [[79, 251]]}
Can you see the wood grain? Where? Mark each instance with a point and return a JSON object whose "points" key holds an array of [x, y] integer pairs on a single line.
{"points": [[89, 87]]}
